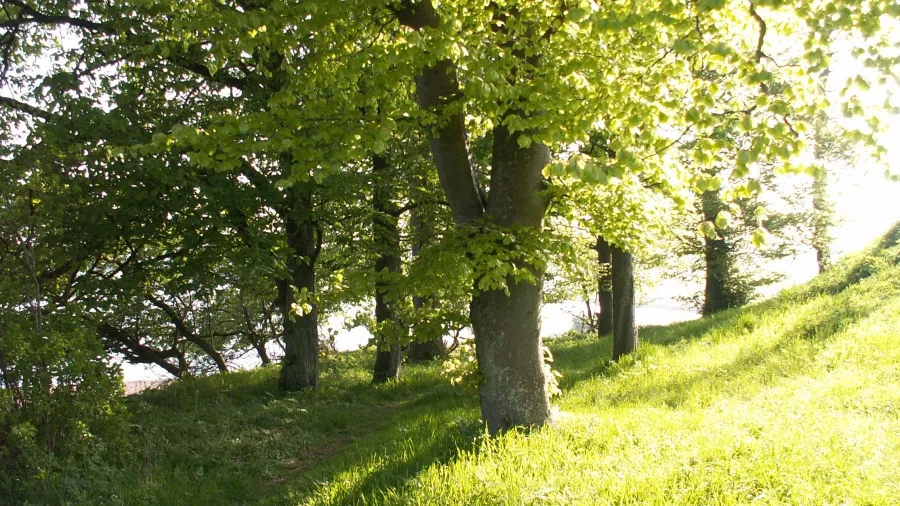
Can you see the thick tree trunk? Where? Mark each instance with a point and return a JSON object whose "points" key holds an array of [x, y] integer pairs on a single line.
{"points": [[507, 327], [387, 264], [432, 349], [604, 288], [387, 364], [300, 365], [625, 332]]}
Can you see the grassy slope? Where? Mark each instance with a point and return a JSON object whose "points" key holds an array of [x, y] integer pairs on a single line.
{"points": [[796, 400]]}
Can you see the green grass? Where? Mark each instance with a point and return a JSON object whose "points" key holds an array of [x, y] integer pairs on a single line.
{"points": [[792, 401]]}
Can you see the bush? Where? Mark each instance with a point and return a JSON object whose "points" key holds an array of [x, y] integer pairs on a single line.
{"points": [[60, 406]]}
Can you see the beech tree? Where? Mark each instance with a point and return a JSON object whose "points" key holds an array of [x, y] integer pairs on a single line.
{"points": [[287, 98]]}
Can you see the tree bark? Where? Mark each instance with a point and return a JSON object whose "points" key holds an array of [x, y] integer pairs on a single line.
{"points": [[181, 326], [388, 356], [256, 340], [507, 327], [604, 288], [300, 365], [116, 339], [436, 87], [625, 332], [262, 353]]}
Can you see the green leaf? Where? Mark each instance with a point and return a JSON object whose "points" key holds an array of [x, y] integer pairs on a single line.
{"points": [[760, 237], [709, 230], [723, 219]]}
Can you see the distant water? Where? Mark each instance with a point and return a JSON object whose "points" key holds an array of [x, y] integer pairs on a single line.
{"points": [[556, 319]]}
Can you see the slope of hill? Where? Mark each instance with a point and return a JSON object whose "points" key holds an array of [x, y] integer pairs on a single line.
{"points": [[792, 401]]}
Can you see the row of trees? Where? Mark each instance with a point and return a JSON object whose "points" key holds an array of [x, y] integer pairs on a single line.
{"points": [[189, 182]]}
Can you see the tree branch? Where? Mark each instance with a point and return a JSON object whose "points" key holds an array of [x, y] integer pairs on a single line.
{"points": [[37, 17], [187, 333], [11, 103]]}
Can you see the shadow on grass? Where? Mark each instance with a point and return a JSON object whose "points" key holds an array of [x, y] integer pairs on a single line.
{"points": [[235, 439], [424, 434]]}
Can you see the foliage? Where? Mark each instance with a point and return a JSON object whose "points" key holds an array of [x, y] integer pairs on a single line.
{"points": [[461, 366], [61, 411], [60, 397]]}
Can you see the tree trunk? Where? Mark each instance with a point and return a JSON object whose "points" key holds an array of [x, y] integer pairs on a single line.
{"points": [[625, 332], [185, 331], [300, 365], [507, 327], [118, 340], [387, 265], [714, 293], [823, 208], [604, 289], [432, 349]]}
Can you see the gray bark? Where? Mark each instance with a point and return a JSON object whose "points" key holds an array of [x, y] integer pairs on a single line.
{"points": [[507, 328], [625, 332]]}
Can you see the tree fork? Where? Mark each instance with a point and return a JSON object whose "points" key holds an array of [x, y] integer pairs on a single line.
{"points": [[507, 327]]}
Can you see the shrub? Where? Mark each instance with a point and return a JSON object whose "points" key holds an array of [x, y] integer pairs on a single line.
{"points": [[60, 405]]}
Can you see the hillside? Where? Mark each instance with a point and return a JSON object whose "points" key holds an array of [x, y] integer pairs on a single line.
{"points": [[792, 401]]}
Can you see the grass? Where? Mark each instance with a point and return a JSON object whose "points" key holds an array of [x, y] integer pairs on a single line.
{"points": [[792, 401]]}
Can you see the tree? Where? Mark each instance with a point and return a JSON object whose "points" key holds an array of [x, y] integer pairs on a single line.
{"points": [[290, 96], [60, 400]]}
